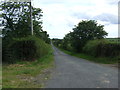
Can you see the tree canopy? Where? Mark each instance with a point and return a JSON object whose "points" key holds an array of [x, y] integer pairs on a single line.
{"points": [[17, 41], [85, 31], [82, 33], [17, 21]]}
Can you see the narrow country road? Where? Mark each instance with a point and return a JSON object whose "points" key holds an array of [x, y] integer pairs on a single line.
{"points": [[72, 72]]}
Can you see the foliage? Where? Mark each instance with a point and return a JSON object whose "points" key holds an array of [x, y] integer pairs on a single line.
{"points": [[18, 44], [44, 36], [92, 45], [57, 42], [85, 31], [68, 43], [29, 48], [102, 60], [82, 33], [23, 74], [102, 48], [17, 21], [87, 38], [113, 40]]}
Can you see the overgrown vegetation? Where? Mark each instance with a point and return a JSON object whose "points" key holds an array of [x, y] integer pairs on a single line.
{"points": [[18, 43], [24, 55], [88, 39], [102, 60], [29, 48], [102, 48], [24, 74], [83, 32]]}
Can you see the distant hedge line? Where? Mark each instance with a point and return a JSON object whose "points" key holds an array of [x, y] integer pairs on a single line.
{"points": [[29, 48], [102, 48]]}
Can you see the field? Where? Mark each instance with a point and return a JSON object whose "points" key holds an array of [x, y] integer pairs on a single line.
{"points": [[113, 40]]}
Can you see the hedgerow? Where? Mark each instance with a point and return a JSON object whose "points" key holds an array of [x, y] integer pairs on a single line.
{"points": [[102, 48], [29, 48]]}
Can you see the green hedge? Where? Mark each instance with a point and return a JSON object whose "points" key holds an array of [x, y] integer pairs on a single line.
{"points": [[29, 48], [102, 48]]}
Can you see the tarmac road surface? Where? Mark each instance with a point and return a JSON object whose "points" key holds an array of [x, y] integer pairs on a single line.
{"points": [[73, 72]]}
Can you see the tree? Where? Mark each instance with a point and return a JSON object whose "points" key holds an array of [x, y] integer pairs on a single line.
{"points": [[16, 18], [17, 26], [57, 42], [17, 21], [67, 41], [85, 31]]}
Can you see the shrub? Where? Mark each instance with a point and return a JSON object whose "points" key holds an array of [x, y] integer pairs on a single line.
{"points": [[29, 48], [102, 48]]}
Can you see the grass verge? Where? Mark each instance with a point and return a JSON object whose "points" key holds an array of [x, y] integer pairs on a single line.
{"points": [[22, 74], [102, 60], [0, 76]]}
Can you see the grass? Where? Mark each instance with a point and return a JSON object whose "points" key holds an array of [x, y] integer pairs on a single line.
{"points": [[19, 75], [0, 76], [0, 62], [113, 40], [102, 60]]}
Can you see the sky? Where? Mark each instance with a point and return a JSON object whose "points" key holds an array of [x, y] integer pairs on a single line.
{"points": [[60, 16]]}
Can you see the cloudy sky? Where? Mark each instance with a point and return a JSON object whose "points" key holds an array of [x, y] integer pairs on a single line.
{"points": [[60, 16]]}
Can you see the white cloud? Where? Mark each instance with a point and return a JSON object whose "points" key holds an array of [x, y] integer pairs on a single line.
{"points": [[60, 16], [112, 29], [112, 2], [113, 19]]}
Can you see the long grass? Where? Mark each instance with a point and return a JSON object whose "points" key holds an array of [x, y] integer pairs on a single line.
{"points": [[21, 74], [0, 76]]}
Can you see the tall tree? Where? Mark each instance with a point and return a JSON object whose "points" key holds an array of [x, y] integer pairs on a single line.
{"points": [[85, 31], [16, 19]]}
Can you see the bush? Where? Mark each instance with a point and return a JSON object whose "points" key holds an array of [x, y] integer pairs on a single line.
{"points": [[68, 47], [102, 48], [29, 48]]}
